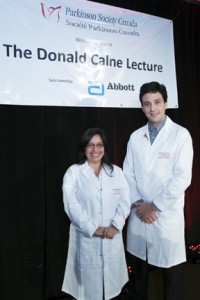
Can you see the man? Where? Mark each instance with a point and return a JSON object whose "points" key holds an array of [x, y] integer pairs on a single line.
{"points": [[158, 167]]}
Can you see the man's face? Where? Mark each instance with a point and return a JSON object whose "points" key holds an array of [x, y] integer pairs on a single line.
{"points": [[154, 107]]}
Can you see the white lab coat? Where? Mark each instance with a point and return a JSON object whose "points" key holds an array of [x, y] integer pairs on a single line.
{"points": [[160, 172], [91, 202]]}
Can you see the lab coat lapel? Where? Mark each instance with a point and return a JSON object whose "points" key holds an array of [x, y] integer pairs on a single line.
{"points": [[145, 135], [88, 173], [164, 132]]}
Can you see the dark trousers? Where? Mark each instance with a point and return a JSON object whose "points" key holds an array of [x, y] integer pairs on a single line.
{"points": [[173, 280]]}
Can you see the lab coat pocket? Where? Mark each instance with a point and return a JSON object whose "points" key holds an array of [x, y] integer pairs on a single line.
{"points": [[89, 249]]}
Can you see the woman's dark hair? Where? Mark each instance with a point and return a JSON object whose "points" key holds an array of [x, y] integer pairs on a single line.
{"points": [[153, 87], [86, 137]]}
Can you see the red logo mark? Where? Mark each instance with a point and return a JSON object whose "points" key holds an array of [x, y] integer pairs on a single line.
{"points": [[48, 11]]}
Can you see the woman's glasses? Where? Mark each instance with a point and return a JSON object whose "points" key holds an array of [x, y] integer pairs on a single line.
{"points": [[98, 146]]}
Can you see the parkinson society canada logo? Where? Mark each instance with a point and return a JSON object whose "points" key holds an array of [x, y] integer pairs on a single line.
{"points": [[51, 12]]}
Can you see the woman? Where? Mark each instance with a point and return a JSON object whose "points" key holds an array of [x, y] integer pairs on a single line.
{"points": [[97, 201]]}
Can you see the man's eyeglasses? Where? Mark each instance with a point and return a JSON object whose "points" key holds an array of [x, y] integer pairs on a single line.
{"points": [[98, 146]]}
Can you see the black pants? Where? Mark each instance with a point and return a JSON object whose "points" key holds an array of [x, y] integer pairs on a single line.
{"points": [[173, 280]]}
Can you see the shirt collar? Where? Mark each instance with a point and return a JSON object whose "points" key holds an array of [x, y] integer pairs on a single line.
{"points": [[159, 126]]}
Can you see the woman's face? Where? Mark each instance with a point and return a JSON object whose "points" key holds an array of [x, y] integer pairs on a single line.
{"points": [[94, 150]]}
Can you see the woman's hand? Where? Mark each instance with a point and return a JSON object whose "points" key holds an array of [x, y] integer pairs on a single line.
{"points": [[99, 232], [106, 232], [110, 232]]}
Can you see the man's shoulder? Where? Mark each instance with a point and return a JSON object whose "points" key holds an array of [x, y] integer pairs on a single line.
{"points": [[175, 126], [179, 133], [138, 131], [179, 128]]}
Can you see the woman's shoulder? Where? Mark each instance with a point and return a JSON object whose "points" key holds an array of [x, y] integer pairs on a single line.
{"points": [[116, 169], [74, 167], [72, 172], [77, 167]]}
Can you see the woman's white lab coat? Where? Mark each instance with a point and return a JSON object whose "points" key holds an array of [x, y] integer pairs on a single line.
{"points": [[95, 264], [160, 172]]}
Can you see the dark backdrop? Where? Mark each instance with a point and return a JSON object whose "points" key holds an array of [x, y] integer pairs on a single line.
{"points": [[39, 143]]}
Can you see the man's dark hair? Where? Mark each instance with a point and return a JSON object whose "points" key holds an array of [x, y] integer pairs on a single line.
{"points": [[153, 87]]}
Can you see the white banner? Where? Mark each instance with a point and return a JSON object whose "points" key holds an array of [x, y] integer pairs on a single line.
{"points": [[81, 53]]}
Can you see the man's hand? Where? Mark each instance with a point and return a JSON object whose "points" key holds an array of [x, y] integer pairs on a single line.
{"points": [[146, 212]]}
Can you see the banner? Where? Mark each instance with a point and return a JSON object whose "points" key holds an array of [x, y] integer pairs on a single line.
{"points": [[82, 53]]}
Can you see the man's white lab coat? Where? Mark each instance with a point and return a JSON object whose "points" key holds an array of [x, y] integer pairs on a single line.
{"points": [[92, 261], [160, 172]]}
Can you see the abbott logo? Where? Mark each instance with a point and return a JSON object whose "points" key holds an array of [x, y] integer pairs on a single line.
{"points": [[96, 88], [51, 12]]}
